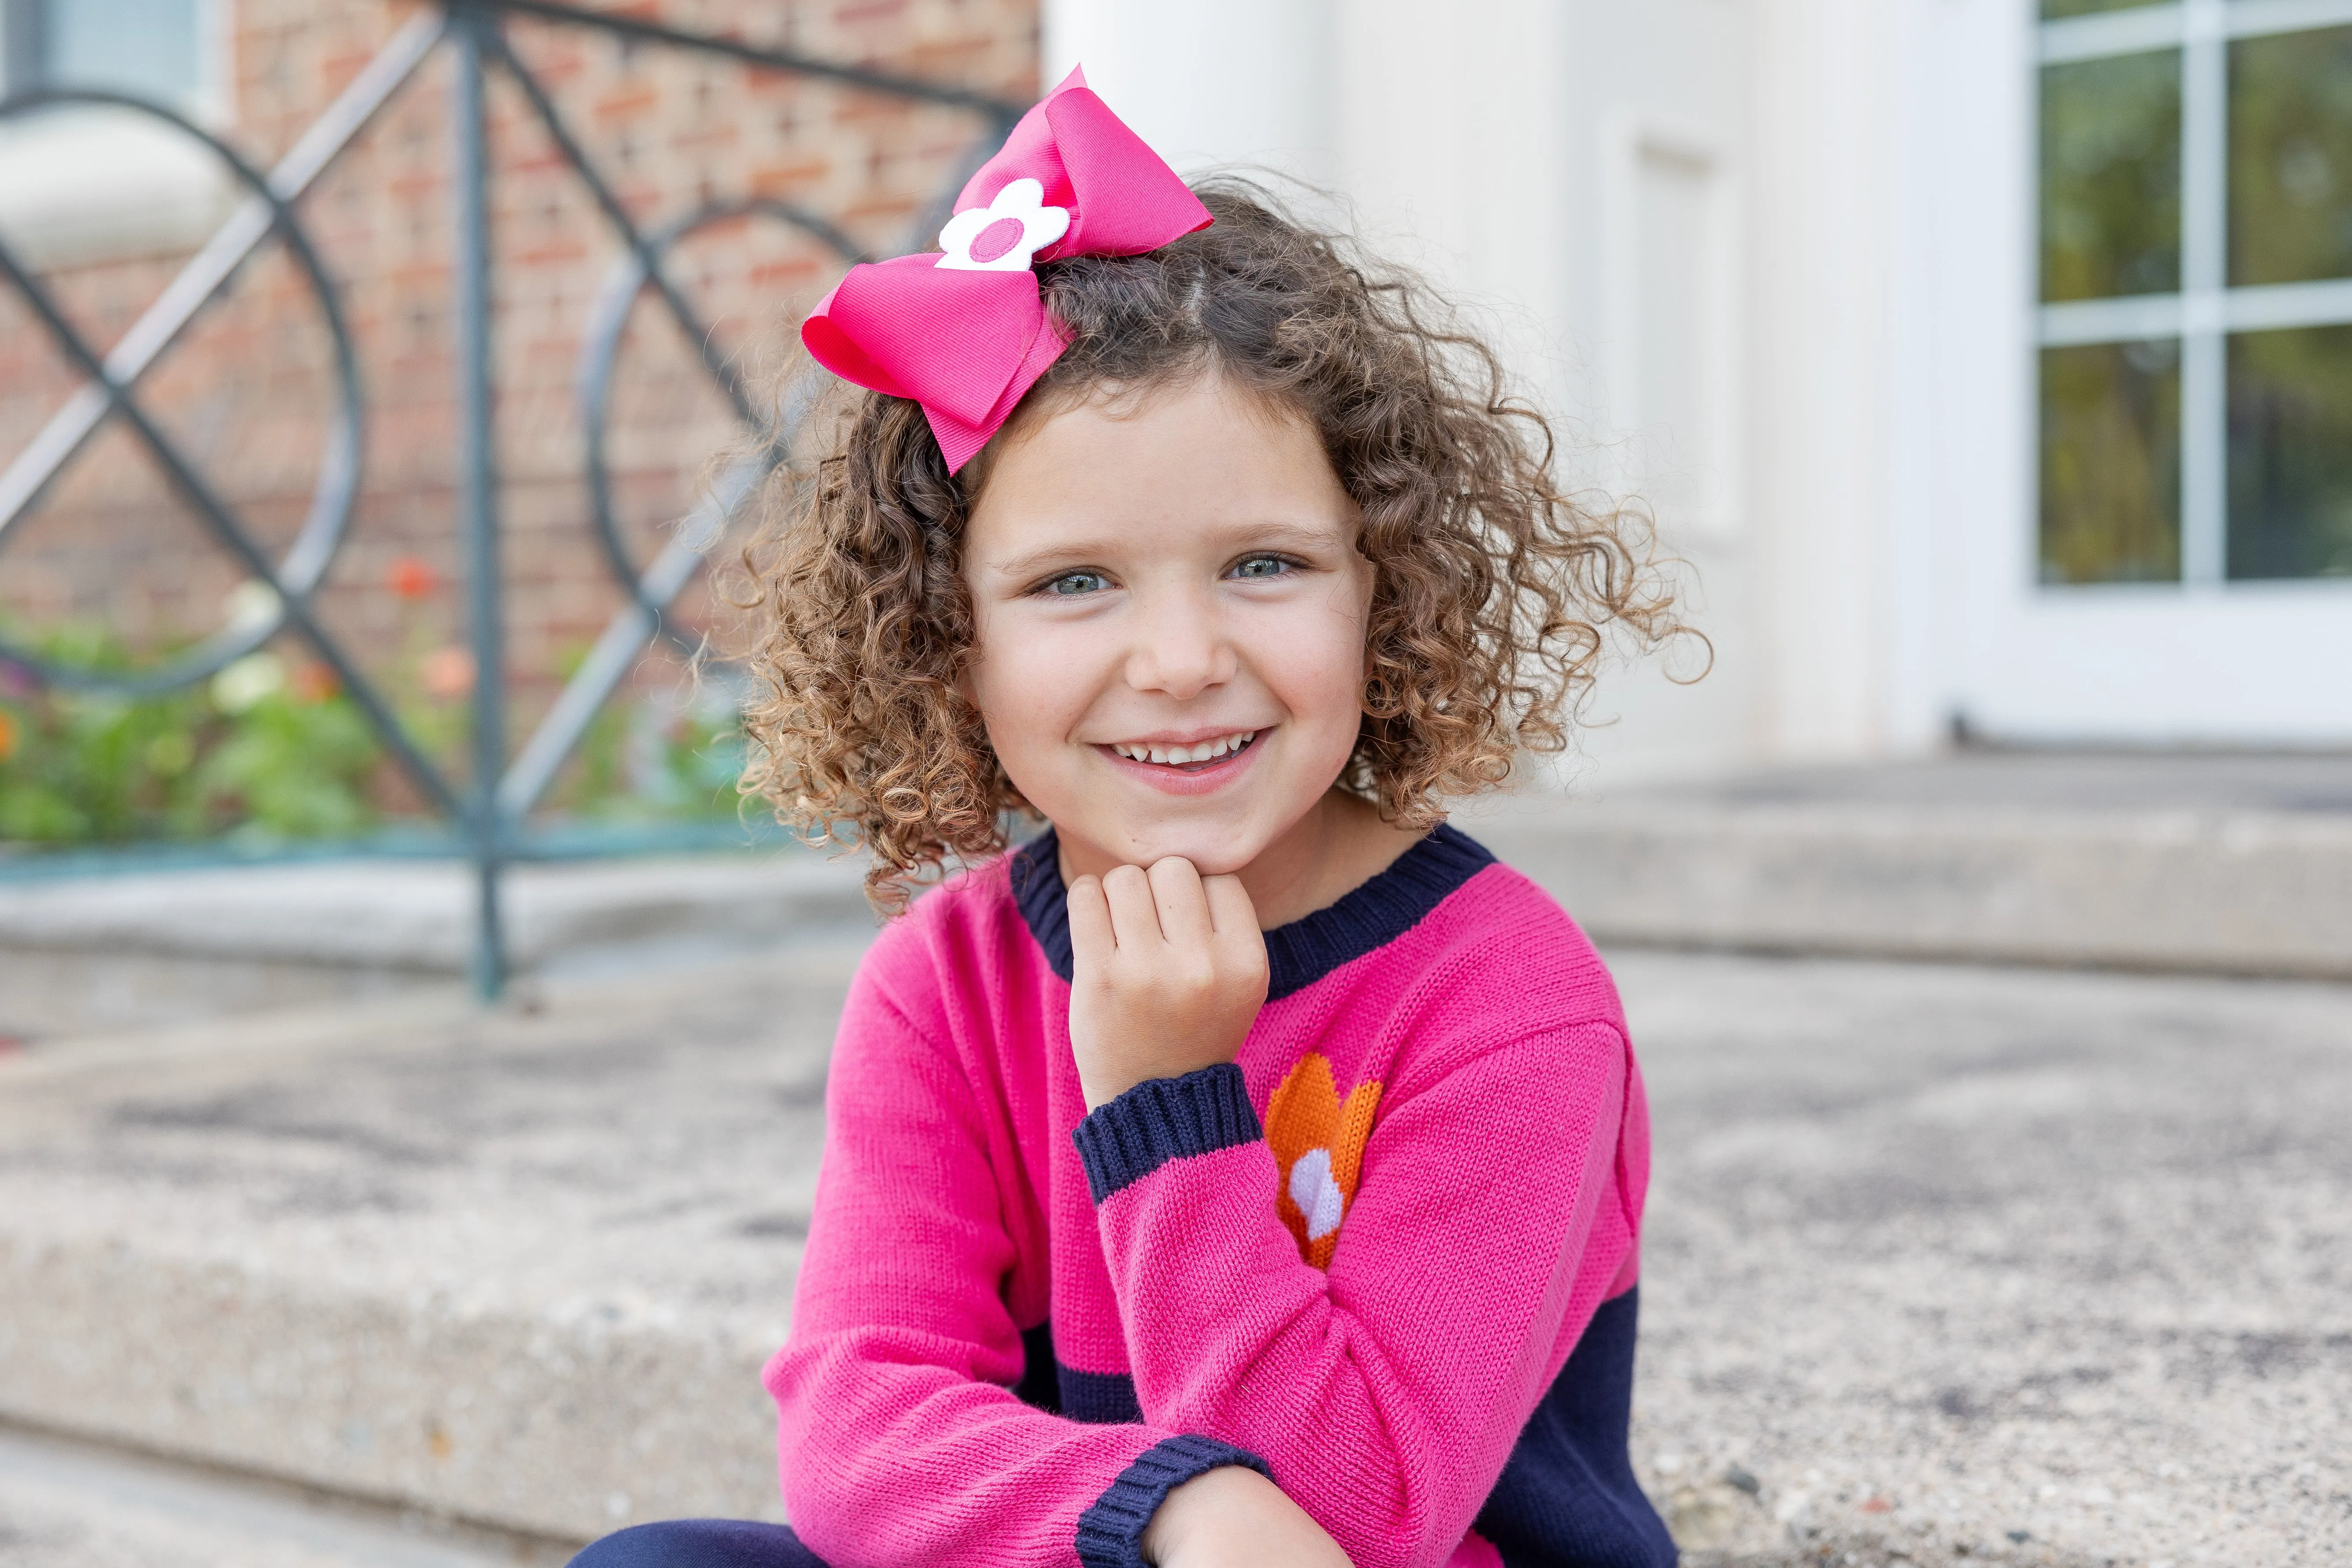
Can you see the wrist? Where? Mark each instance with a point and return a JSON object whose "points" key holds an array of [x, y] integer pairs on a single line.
{"points": [[1105, 1074], [1158, 1120], [1196, 1509], [1110, 1532], [1231, 1515], [1101, 1085]]}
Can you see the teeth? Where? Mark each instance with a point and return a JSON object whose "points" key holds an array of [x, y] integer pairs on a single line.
{"points": [[1207, 751]]}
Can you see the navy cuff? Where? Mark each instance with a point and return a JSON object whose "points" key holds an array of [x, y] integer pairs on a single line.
{"points": [[1111, 1533], [1164, 1119]]}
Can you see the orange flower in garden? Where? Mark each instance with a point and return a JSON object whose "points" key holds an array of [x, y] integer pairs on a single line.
{"points": [[7, 734], [411, 578], [315, 683], [448, 672]]}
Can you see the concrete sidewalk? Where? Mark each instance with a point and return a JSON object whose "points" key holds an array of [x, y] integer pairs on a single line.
{"points": [[2214, 864], [1943, 1263]]}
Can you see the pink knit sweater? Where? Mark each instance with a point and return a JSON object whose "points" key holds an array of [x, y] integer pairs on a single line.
{"points": [[1358, 1259]]}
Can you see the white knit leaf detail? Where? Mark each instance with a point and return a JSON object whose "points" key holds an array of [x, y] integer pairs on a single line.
{"points": [[1316, 1194]]}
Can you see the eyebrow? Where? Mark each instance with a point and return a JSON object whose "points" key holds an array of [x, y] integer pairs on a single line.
{"points": [[1263, 535], [1050, 555]]}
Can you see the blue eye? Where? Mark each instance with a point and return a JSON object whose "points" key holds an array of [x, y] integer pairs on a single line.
{"points": [[1258, 568], [1071, 583]]}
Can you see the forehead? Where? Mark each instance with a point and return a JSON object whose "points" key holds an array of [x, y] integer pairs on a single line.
{"points": [[1197, 458]]}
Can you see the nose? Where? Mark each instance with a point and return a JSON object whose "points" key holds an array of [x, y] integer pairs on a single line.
{"points": [[1180, 648]]}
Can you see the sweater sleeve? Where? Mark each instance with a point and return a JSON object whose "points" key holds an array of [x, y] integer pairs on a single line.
{"points": [[900, 1439], [1387, 1394]]}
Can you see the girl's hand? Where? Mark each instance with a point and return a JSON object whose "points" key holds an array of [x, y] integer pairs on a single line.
{"points": [[1235, 1518], [1169, 974]]}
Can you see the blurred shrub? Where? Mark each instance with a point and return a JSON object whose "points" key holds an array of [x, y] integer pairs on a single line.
{"points": [[660, 754], [270, 748], [697, 753], [293, 761], [274, 751]]}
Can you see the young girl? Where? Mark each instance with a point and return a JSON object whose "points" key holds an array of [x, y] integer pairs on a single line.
{"points": [[1248, 1168]]}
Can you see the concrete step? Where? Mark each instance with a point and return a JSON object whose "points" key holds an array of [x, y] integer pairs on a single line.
{"points": [[418, 914], [517, 1268], [2215, 864], [2219, 865], [1940, 1257], [67, 1504], [81, 955]]}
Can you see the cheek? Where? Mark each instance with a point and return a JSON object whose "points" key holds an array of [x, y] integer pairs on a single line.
{"points": [[1031, 688], [1315, 662]]}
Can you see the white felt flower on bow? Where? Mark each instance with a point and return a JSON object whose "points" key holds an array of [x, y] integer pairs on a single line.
{"points": [[1002, 236]]}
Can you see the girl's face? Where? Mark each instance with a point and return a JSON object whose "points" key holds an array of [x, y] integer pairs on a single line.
{"points": [[1171, 615]]}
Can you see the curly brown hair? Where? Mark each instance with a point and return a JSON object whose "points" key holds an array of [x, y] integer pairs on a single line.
{"points": [[1492, 587]]}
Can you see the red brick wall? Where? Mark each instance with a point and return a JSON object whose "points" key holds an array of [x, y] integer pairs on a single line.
{"points": [[247, 390]]}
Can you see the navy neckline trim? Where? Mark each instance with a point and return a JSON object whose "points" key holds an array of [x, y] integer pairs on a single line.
{"points": [[1307, 948]]}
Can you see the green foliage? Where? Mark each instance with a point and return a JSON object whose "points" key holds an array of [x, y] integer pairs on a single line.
{"points": [[268, 750], [292, 768], [670, 756], [669, 750], [248, 751], [701, 752], [85, 769]]}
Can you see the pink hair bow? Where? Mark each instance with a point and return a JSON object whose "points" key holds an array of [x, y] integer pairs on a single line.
{"points": [[964, 330]]}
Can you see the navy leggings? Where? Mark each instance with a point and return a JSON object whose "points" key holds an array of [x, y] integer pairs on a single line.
{"points": [[700, 1543]]}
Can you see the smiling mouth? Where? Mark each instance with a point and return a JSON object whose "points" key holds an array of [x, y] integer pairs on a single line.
{"points": [[1195, 758]]}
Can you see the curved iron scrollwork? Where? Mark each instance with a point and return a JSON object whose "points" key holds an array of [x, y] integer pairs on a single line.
{"points": [[600, 348], [305, 562], [491, 808]]}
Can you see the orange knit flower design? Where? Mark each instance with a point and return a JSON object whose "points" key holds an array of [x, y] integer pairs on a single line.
{"points": [[1318, 1143]]}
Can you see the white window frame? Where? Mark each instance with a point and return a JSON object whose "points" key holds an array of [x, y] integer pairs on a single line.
{"points": [[2207, 309]]}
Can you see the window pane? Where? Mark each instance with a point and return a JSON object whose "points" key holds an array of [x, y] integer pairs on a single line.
{"points": [[144, 46], [2111, 463], [2111, 176], [2054, 9], [2291, 157], [2291, 453]]}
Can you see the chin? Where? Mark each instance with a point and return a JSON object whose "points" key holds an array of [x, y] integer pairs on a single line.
{"points": [[1215, 861], [1214, 853]]}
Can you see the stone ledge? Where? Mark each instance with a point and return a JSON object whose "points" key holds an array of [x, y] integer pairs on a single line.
{"points": [[557, 1425], [520, 1268], [417, 916], [68, 1503], [2210, 891]]}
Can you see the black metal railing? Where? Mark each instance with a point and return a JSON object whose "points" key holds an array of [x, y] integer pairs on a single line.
{"points": [[490, 809]]}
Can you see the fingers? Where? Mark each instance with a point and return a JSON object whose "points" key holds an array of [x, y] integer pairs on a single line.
{"points": [[1229, 908], [1170, 973], [1134, 914], [1171, 902], [1240, 944], [1091, 937], [1183, 907]]}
